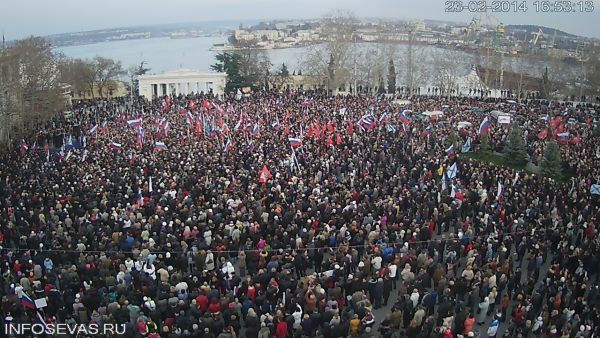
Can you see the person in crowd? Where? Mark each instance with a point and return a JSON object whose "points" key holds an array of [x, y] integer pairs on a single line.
{"points": [[300, 214]]}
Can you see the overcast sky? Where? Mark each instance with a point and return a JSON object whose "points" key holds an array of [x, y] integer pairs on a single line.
{"points": [[22, 18]]}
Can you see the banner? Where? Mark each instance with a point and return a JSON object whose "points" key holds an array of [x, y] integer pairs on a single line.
{"points": [[504, 119]]}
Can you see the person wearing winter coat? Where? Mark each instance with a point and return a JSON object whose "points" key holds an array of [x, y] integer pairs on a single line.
{"points": [[209, 261], [264, 331], [469, 324], [483, 308], [493, 328]]}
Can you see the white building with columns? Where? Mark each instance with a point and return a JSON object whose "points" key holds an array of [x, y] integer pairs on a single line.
{"points": [[181, 81]]}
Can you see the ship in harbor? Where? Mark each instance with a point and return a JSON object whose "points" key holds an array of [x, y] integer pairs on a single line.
{"points": [[221, 47]]}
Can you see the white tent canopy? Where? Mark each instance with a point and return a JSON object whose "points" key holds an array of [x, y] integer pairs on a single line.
{"points": [[433, 113], [463, 124], [470, 81], [401, 102]]}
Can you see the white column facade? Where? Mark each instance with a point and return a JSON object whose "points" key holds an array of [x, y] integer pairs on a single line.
{"points": [[182, 82]]}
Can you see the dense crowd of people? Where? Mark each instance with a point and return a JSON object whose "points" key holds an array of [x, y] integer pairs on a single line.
{"points": [[301, 215]]}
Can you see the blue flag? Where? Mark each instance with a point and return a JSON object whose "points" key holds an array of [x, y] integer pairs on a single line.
{"points": [[467, 146], [451, 173]]}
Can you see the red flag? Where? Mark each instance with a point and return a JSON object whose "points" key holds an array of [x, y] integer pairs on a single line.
{"points": [[220, 110], [309, 132], [286, 131], [331, 127], [339, 139], [559, 129], [576, 140], [198, 129], [207, 104], [556, 122], [166, 105], [350, 128], [192, 104], [264, 175], [543, 134], [329, 141]]}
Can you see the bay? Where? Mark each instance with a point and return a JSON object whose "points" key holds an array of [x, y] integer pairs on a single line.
{"points": [[166, 54]]}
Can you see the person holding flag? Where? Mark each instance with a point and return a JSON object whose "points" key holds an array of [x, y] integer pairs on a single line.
{"points": [[484, 127], [452, 171], [264, 175]]}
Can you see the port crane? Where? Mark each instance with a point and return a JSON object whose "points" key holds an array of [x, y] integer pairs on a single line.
{"points": [[536, 36]]}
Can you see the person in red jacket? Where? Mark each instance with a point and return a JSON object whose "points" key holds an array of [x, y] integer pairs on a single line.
{"points": [[202, 302], [214, 306], [282, 329]]}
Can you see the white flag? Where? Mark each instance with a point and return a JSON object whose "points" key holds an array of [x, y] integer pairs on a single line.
{"points": [[499, 193]]}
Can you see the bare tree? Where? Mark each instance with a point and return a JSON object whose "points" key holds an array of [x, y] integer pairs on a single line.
{"points": [[337, 30], [416, 70], [106, 72], [446, 69], [592, 70], [254, 63], [78, 73], [373, 64], [30, 89], [281, 77]]}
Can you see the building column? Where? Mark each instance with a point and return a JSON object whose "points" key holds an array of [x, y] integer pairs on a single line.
{"points": [[177, 91], [187, 88]]}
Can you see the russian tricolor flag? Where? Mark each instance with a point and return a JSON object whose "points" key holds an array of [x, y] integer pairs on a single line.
{"points": [[427, 131], [116, 146], [255, 129], [160, 146], [484, 127], [367, 122], [139, 199], [227, 146], [27, 302], [45, 325], [295, 142], [404, 120], [450, 150], [134, 123], [563, 137]]}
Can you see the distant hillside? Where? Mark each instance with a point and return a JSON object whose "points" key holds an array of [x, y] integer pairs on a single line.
{"points": [[143, 32], [534, 29]]}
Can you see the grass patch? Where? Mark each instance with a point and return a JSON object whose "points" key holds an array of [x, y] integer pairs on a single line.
{"points": [[500, 160], [494, 159]]}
